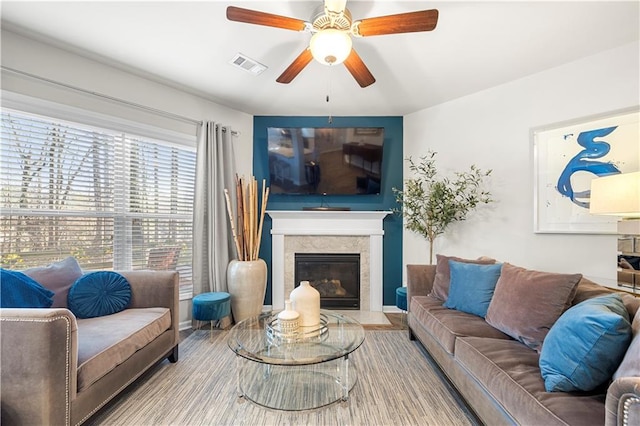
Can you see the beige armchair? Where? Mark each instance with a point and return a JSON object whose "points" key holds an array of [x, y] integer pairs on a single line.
{"points": [[48, 355]]}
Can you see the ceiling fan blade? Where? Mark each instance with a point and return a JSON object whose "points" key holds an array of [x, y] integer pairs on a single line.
{"points": [[359, 70], [423, 20], [296, 66], [262, 18]]}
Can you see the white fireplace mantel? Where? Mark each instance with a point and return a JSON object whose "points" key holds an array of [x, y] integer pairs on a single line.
{"points": [[327, 223]]}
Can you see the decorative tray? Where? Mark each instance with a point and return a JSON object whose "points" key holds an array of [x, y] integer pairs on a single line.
{"points": [[317, 333]]}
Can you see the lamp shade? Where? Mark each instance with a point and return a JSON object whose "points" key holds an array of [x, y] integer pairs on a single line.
{"points": [[330, 46], [616, 195]]}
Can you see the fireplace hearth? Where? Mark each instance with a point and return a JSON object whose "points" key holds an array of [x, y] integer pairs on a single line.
{"points": [[336, 276]]}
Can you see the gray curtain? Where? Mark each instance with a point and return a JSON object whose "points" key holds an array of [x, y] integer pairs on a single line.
{"points": [[213, 245]]}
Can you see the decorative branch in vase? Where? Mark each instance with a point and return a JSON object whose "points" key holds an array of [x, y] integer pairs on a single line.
{"points": [[247, 275], [430, 203], [248, 232]]}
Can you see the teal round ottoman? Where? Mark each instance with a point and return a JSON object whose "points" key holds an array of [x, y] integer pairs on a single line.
{"points": [[212, 306], [401, 301], [401, 298]]}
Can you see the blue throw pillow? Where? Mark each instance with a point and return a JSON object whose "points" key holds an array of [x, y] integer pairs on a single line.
{"points": [[471, 287], [99, 293], [20, 291], [585, 346]]}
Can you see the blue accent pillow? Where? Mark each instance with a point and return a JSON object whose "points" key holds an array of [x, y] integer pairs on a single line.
{"points": [[17, 290], [99, 293], [471, 286], [585, 346]]}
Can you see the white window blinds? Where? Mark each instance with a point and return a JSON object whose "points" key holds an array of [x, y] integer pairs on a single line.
{"points": [[111, 199]]}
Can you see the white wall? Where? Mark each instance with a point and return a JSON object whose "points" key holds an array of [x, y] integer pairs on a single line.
{"points": [[72, 69], [65, 67], [492, 130]]}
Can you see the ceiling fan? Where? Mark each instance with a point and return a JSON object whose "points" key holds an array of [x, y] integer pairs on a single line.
{"points": [[331, 27]]}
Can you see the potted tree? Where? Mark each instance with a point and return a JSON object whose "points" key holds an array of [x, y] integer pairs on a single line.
{"points": [[430, 203]]}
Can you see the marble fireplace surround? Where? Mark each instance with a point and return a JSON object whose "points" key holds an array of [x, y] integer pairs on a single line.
{"points": [[327, 232]]}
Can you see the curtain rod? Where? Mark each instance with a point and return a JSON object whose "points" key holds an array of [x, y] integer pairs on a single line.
{"points": [[110, 98]]}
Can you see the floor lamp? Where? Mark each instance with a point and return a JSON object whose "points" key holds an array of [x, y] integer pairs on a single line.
{"points": [[619, 195]]}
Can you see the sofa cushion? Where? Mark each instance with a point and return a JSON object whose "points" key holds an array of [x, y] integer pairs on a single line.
{"points": [[57, 277], [588, 289], [630, 365], [99, 293], [585, 345], [508, 370], [632, 303], [440, 289], [445, 325], [471, 287], [106, 342], [21, 291], [527, 303]]}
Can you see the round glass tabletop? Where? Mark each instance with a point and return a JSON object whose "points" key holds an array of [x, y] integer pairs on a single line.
{"points": [[257, 339]]}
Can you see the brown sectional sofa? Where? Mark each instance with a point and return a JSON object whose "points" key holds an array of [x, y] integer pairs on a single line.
{"points": [[498, 376], [59, 370]]}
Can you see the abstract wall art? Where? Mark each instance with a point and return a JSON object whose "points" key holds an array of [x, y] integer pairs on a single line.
{"points": [[567, 156]]}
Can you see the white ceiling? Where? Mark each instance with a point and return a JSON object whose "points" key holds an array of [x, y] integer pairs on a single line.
{"points": [[476, 45]]}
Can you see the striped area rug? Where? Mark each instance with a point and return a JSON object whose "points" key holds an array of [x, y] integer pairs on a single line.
{"points": [[396, 386]]}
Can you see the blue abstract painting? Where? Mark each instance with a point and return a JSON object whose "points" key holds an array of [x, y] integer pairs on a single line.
{"points": [[587, 160], [568, 156]]}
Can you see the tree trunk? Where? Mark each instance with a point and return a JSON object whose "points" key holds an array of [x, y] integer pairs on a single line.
{"points": [[431, 251]]}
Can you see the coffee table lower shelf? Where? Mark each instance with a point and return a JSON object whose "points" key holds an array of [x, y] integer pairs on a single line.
{"points": [[303, 372], [295, 387]]}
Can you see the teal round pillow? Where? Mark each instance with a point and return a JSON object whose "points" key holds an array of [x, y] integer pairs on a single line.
{"points": [[99, 293]]}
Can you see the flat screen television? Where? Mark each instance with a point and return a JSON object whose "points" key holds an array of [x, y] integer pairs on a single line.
{"points": [[325, 161]]}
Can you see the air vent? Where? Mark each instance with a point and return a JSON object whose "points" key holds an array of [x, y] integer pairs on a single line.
{"points": [[249, 65]]}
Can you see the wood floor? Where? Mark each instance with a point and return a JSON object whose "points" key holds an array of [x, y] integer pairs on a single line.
{"points": [[398, 322]]}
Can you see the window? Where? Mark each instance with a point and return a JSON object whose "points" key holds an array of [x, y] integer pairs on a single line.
{"points": [[111, 199]]}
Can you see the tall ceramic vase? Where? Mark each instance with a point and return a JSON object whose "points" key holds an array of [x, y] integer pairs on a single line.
{"points": [[306, 301], [247, 284]]}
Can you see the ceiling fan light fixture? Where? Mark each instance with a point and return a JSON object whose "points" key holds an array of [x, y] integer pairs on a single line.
{"points": [[330, 46]]}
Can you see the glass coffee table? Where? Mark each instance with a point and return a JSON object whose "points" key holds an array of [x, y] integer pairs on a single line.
{"points": [[309, 370]]}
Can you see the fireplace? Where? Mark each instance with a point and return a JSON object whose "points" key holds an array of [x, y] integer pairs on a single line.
{"points": [[327, 232], [336, 276]]}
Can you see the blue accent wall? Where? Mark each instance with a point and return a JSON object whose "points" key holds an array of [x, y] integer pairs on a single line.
{"points": [[391, 177]]}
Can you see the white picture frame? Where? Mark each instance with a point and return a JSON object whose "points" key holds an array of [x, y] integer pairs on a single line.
{"points": [[568, 155]]}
